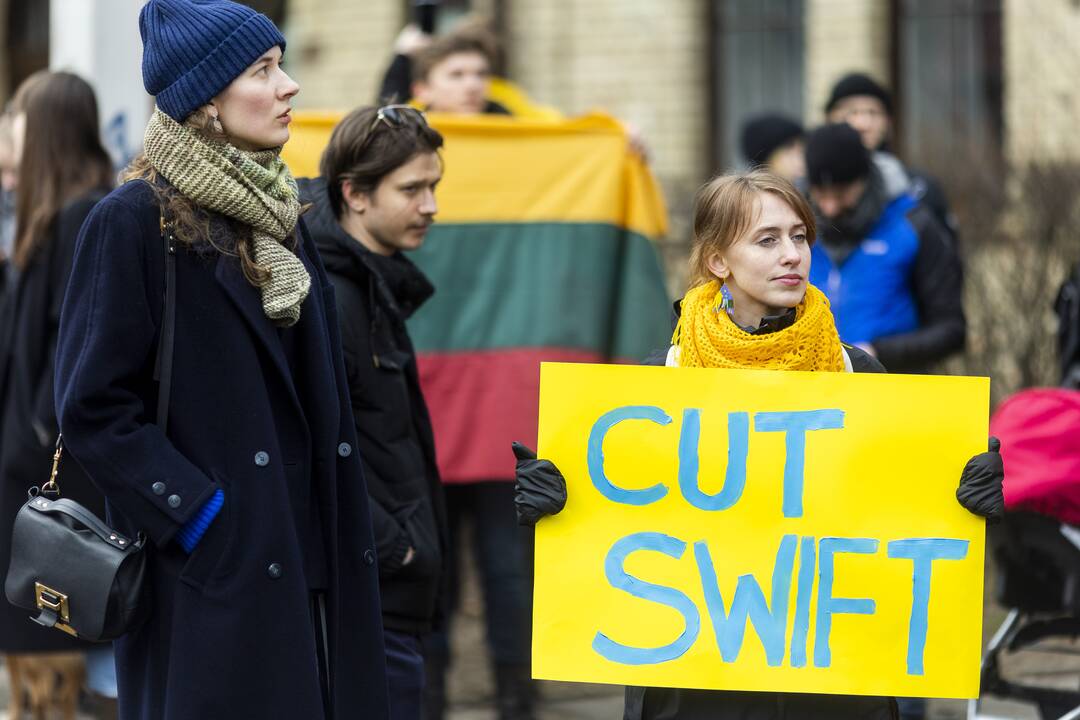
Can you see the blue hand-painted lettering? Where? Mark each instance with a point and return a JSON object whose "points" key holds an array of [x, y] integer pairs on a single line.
{"points": [[923, 552], [595, 454], [748, 605], [796, 424], [827, 605], [735, 476], [619, 578]]}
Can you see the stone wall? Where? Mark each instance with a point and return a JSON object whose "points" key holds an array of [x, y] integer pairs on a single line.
{"points": [[1041, 66]]}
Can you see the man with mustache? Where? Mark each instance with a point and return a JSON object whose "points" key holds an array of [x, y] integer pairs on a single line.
{"points": [[889, 268], [374, 200]]}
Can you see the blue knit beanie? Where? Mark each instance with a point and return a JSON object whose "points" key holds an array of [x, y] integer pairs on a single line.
{"points": [[192, 49]]}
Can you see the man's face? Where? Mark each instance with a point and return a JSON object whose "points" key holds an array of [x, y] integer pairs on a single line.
{"points": [[458, 84], [866, 114], [397, 215], [834, 200]]}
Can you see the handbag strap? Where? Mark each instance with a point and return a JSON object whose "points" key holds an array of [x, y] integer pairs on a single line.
{"points": [[167, 337], [164, 360]]}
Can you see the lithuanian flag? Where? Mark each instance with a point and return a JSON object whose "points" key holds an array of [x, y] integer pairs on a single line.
{"points": [[542, 251]]}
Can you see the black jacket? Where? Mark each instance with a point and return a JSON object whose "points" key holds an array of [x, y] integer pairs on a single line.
{"points": [[681, 704], [28, 327], [231, 632], [375, 296], [937, 281]]}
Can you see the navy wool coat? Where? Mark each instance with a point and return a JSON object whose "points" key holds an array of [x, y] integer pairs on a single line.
{"points": [[231, 633]]}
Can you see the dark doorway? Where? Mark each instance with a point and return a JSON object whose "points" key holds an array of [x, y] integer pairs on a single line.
{"points": [[757, 66], [949, 80], [27, 40]]}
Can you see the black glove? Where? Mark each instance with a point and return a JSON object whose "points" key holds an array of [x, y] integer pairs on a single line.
{"points": [[540, 488], [980, 490]]}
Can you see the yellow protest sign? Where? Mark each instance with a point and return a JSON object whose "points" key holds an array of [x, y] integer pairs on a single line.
{"points": [[760, 530]]}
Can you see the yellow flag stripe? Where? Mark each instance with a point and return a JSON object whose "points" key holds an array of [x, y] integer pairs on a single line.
{"points": [[504, 169]]}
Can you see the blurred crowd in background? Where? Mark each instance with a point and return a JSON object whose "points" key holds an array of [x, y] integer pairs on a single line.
{"points": [[936, 142]]}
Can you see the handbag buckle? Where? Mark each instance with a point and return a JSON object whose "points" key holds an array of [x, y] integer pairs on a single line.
{"points": [[51, 487], [48, 599]]}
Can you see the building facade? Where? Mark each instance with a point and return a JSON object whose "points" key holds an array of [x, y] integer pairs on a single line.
{"points": [[972, 78], [997, 74]]}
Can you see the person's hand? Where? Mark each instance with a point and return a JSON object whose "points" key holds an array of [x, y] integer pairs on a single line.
{"points": [[980, 490], [540, 488], [411, 40], [635, 139]]}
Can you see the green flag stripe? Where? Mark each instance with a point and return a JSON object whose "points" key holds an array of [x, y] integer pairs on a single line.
{"points": [[588, 286]]}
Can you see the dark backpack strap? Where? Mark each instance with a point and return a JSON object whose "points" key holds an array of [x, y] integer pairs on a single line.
{"points": [[167, 336]]}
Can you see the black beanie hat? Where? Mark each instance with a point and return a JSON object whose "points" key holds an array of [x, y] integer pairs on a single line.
{"points": [[835, 156], [858, 84], [764, 134]]}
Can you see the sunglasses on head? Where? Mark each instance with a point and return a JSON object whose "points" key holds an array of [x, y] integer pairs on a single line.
{"points": [[395, 116]]}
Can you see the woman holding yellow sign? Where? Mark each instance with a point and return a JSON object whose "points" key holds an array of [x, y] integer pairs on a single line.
{"points": [[750, 307]]}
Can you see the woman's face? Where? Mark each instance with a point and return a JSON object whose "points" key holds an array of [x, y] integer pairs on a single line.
{"points": [[254, 109], [766, 268]]}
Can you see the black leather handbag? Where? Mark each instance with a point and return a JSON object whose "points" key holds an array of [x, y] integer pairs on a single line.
{"points": [[80, 575]]}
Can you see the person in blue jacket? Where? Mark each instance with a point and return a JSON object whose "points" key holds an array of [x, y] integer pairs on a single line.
{"points": [[263, 576], [890, 270]]}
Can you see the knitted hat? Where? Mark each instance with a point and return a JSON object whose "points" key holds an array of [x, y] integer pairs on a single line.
{"points": [[835, 156], [764, 134], [858, 84], [192, 49]]}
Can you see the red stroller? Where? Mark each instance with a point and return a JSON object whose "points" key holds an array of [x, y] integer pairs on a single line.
{"points": [[1037, 546]]}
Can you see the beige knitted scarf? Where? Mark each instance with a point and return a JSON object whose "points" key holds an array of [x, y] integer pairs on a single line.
{"points": [[255, 188]]}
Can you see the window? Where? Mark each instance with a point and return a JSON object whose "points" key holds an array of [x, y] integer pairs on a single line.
{"points": [[449, 13], [948, 78], [27, 40], [757, 63]]}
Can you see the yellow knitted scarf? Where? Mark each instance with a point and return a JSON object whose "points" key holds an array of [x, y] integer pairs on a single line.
{"points": [[706, 336]]}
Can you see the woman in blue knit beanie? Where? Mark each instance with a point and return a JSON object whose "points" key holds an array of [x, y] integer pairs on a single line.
{"points": [[218, 423]]}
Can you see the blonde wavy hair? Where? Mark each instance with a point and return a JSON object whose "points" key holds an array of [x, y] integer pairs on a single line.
{"points": [[726, 207]]}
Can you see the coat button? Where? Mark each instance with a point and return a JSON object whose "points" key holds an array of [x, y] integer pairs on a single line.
{"points": [[369, 557], [274, 571], [262, 459], [158, 488], [344, 449], [174, 501]]}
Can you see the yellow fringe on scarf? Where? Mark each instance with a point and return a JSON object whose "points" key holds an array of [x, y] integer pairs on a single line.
{"points": [[706, 336]]}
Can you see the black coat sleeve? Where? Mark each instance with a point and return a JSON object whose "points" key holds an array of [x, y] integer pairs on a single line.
{"points": [[937, 281], [397, 81]]}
